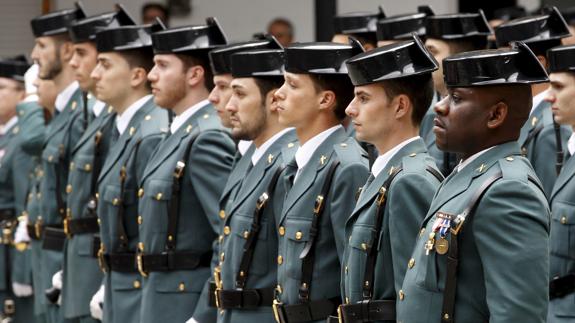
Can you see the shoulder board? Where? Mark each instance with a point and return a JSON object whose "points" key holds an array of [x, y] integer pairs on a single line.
{"points": [[154, 122], [209, 121], [350, 151]]}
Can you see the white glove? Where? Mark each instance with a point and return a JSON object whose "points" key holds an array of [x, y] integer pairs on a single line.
{"points": [[57, 280], [191, 320], [22, 290], [21, 234], [97, 303], [29, 77]]}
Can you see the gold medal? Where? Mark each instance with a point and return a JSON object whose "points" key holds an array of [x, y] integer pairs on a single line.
{"points": [[441, 246], [429, 244]]}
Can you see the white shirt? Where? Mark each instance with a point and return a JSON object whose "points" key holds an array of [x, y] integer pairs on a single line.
{"points": [[5, 128], [466, 162], [98, 107], [304, 152], [243, 146], [65, 96], [182, 118], [259, 152], [123, 120], [381, 162], [571, 144], [537, 100]]}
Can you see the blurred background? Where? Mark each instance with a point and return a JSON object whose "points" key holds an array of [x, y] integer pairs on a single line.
{"points": [[311, 19]]}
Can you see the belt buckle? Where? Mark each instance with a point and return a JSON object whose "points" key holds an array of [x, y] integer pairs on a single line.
{"points": [[66, 225], [276, 309], [140, 263], [101, 261], [219, 285], [38, 228], [340, 313]]}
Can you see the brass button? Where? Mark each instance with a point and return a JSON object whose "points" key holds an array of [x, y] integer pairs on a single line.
{"points": [[279, 288], [563, 220], [87, 167], [446, 316], [412, 154], [98, 220], [68, 188], [222, 257], [347, 300], [182, 287], [401, 295], [421, 232], [139, 219], [71, 165], [282, 231], [227, 230], [280, 260], [509, 158], [221, 239], [115, 202], [222, 214], [141, 246], [140, 192], [345, 269], [411, 263], [343, 144], [298, 235], [137, 284], [159, 196], [291, 144], [246, 234], [50, 158], [363, 246], [170, 238]]}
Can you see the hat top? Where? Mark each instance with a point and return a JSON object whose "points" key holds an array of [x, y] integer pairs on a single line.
{"points": [[319, 46]]}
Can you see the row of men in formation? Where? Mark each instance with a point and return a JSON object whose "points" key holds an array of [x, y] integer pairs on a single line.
{"points": [[163, 175]]}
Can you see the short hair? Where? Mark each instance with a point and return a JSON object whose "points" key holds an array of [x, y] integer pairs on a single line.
{"points": [[419, 89], [157, 6], [142, 58], [203, 61], [466, 44], [267, 84], [339, 84], [282, 21]]}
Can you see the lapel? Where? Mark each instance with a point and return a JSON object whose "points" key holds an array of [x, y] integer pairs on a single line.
{"points": [[94, 126], [534, 119], [459, 182], [63, 117], [564, 177], [237, 174], [120, 146], [306, 179]]}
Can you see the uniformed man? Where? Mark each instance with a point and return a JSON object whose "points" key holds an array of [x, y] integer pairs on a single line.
{"points": [[53, 51], [124, 59], [448, 35], [482, 252], [322, 179], [247, 273], [220, 60], [359, 25], [390, 101], [401, 27], [541, 140], [562, 260], [181, 185], [81, 275], [15, 165]]}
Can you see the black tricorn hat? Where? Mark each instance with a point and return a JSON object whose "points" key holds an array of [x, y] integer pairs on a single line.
{"points": [[533, 29], [457, 26], [402, 59], [85, 29], [321, 57], [220, 58], [401, 27], [56, 22], [14, 68], [127, 37], [509, 13], [569, 15], [561, 59], [258, 63], [494, 67], [190, 38], [357, 22]]}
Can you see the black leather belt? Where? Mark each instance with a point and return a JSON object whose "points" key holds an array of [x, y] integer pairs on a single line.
{"points": [[243, 299], [171, 261], [306, 312], [366, 311], [53, 238], [82, 225], [7, 214], [120, 262], [562, 286]]}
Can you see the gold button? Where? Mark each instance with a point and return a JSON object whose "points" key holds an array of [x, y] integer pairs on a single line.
{"points": [[71, 165], [221, 238], [347, 300], [87, 167], [115, 202], [446, 316], [170, 238], [412, 155], [68, 188], [282, 231], [411, 263], [182, 287], [364, 246], [246, 234], [401, 295], [222, 257], [139, 219], [280, 260], [563, 220], [141, 246], [222, 214], [159, 196], [298, 235], [421, 232], [345, 269], [50, 158], [343, 144], [279, 288], [227, 230], [148, 117], [290, 145], [140, 192], [509, 158], [98, 220], [137, 284]]}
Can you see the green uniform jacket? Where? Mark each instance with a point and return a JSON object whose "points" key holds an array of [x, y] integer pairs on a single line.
{"points": [[296, 217], [563, 240], [263, 269], [132, 150], [408, 199], [537, 141], [171, 296], [82, 276], [503, 250]]}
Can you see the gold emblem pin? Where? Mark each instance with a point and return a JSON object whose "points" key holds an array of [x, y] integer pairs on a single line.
{"points": [[189, 128], [322, 159], [270, 158], [290, 145], [534, 121], [481, 168], [132, 130]]}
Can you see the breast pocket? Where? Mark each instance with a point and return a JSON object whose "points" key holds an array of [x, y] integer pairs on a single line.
{"points": [[241, 227], [51, 155], [359, 242], [156, 203], [427, 270], [83, 163], [563, 229], [297, 235]]}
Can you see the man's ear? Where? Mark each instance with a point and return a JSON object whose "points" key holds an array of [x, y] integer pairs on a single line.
{"points": [[139, 76], [66, 51], [327, 100], [543, 60], [497, 115], [271, 101], [195, 75], [403, 107]]}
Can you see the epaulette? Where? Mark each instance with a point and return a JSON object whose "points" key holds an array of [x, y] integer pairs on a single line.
{"points": [[349, 152], [153, 122], [209, 121], [414, 163], [515, 168]]}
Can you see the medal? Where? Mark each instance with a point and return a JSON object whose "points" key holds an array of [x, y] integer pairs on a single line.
{"points": [[441, 246], [429, 244]]}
